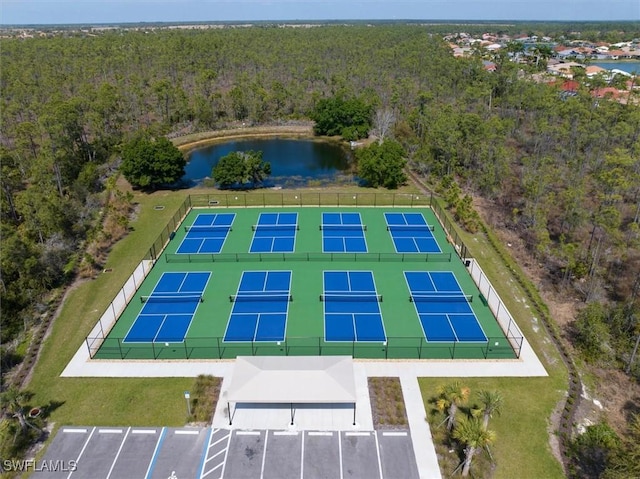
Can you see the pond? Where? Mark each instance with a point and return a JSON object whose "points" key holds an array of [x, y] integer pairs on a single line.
{"points": [[626, 66], [294, 162]]}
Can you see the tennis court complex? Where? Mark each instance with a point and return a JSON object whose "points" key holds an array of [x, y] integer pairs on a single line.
{"points": [[374, 282]]}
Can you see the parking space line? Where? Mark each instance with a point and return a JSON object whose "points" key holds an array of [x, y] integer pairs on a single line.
{"points": [[75, 430], [247, 433], [219, 440], [215, 455], [340, 452], [115, 459], [264, 453], [110, 431], [195, 433], [154, 457], [391, 433], [205, 452], [206, 468], [224, 464], [358, 433], [375, 436], [143, 431], [86, 443], [302, 457], [285, 433], [319, 433]]}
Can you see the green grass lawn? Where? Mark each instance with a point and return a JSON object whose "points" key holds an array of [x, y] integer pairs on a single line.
{"points": [[522, 445], [93, 401]]}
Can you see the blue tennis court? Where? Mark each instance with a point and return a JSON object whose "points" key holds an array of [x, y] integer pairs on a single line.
{"points": [[207, 234], [343, 233], [274, 233], [260, 307], [411, 233], [351, 307], [168, 311], [443, 309]]}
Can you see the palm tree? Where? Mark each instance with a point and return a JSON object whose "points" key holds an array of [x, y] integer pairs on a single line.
{"points": [[542, 52], [490, 404], [451, 396], [12, 402], [474, 436]]}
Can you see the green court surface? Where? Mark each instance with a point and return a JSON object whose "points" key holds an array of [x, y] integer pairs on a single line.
{"points": [[305, 326]]}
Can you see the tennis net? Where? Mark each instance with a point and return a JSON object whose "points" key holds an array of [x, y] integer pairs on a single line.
{"points": [[343, 227], [351, 298], [275, 227], [196, 228], [441, 298], [393, 228], [172, 298], [243, 298]]}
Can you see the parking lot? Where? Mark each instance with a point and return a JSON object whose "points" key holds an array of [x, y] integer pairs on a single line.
{"points": [[198, 453]]}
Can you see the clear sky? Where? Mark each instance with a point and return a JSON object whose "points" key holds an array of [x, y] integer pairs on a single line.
{"points": [[120, 11]]}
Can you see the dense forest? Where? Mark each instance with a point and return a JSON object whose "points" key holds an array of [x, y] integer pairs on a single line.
{"points": [[563, 173]]}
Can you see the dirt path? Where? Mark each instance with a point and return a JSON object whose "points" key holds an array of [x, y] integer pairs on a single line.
{"points": [[189, 142]]}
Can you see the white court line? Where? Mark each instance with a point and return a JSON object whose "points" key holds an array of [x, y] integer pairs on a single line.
{"points": [[285, 433], [319, 433], [195, 433], [247, 433], [359, 433], [75, 430], [388, 433], [115, 459], [143, 431], [110, 431]]}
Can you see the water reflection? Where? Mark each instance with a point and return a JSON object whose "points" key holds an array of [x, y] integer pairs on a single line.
{"points": [[293, 162]]}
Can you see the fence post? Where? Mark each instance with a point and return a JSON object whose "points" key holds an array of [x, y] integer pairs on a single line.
{"points": [[86, 340]]}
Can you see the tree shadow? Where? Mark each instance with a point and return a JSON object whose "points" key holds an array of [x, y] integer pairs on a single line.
{"points": [[51, 406]]}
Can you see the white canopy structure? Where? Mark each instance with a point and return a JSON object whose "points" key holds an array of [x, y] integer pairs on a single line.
{"points": [[292, 380]]}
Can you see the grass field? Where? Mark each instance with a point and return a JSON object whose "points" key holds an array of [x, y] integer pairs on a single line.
{"points": [[522, 445], [305, 323]]}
